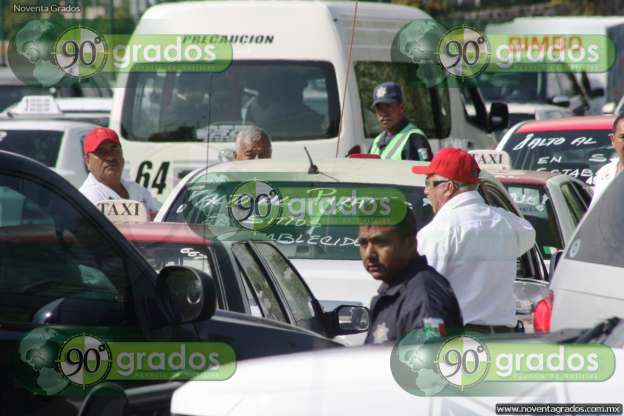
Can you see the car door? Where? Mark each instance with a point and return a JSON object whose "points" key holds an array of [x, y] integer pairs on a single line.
{"points": [[61, 273]]}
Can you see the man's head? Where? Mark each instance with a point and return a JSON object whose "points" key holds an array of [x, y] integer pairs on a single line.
{"points": [[617, 139], [252, 143], [103, 155], [388, 105], [451, 172], [387, 250]]}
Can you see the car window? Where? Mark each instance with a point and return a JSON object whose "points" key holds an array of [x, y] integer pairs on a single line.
{"points": [[268, 299], [53, 258], [535, 204], [299, 298], [41, 145], [574, 202], [428, 108]]}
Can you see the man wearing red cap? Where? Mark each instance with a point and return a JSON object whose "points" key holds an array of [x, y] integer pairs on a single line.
{"points": [[474, 245], [104, 159]]}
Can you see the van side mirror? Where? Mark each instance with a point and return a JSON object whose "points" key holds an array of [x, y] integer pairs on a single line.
{"points": [[347, 320], [608, 108], [554, 260], [560, 101], [190, 293], [499, 116]]}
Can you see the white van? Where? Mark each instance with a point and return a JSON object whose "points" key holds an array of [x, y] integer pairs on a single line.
{"points": [[287, 56]]}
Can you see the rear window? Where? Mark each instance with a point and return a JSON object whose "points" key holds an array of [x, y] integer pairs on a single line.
{"points": [[291, 100], [600, 237], [41, 145], [577, 153]]}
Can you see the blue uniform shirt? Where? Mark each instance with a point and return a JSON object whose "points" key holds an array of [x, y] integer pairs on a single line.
{"points": [[418, 293]]}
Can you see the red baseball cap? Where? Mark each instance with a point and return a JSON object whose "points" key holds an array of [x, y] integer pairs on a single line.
{"points": [[94, 138], [452, 163]]}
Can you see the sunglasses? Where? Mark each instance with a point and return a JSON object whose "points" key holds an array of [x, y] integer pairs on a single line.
{"points": [[432, 184]]}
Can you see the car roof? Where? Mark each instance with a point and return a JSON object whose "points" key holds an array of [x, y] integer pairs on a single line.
{"points": [[374, 171], [568, 124], [42, 124], [524, 176], [85, 104], [164, 232]]}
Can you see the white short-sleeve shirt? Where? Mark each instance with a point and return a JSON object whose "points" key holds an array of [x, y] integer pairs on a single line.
{"points": [[96, 191]]}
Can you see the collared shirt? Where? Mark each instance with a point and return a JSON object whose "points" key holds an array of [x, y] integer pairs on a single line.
{"points": [[603, 178], [418, 293], [475, 246], [417, 147], [96, 191]]}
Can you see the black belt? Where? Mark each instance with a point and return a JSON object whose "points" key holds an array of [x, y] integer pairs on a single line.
{"points": [[490, 329]]}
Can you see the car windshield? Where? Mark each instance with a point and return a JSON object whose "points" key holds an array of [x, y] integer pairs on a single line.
{"points": [[535, 204], [514, 87], [11, 94], [41, 145], [291, 100], [160, 254], [205, 202], [578, 153]]}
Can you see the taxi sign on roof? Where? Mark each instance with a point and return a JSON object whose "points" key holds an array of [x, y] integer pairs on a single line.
{"points": [[120, 211], [37, 105], [490, 159]]}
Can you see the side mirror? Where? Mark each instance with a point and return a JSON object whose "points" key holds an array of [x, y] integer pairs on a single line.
{"points": [[608, 108], [554, 261], [499, 116], [226, 155], [347, 320], [597, 92], [190, 293], [560, 101]]}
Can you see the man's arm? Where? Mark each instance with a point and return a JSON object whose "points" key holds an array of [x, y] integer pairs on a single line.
{"points": [[524, 231], [417, 148], [436, 245]]}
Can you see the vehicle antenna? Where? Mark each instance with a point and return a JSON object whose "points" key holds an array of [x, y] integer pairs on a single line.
{"points": [[313, 169]]}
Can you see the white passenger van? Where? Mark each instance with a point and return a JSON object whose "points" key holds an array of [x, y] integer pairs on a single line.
{"points": [[291, 76]]}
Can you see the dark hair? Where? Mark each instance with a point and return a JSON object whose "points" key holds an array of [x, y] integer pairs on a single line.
{"points": [[617, 120], [407, 227]]}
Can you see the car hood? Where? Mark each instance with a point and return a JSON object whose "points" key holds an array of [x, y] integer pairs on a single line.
{"points": [[338, 281]]}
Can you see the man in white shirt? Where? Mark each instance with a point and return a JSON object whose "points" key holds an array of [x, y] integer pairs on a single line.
{"points": [[104, 159], [608, 172], [474, 245]]}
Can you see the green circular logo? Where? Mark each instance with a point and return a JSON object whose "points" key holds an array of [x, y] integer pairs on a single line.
{"points": [[255, 205], [85, 360], [464, 52], [80, 52], [463, 361]]}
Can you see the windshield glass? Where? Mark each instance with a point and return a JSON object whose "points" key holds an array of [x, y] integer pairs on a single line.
{"points": [[41, 145], [291, 100], [576, 153], [514, 87], [206, 203], [535, 204], [159, 255]]}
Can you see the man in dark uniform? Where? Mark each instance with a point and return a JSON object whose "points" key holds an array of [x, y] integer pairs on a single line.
{"points": [[412, 294], [400, 140]]}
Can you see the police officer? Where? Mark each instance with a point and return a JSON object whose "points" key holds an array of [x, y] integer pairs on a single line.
{"points": [[400, 140], [412, 294]]}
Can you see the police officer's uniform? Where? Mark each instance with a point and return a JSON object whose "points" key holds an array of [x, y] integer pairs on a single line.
{"points": [[416, 296], [410, 143]]}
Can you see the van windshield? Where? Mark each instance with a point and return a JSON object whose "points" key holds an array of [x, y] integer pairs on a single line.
{"points": [[291, 100]]}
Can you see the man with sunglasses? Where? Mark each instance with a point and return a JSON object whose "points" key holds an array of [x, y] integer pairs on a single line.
{"points": [[472, 244], [608, 172], [103, 157]]}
